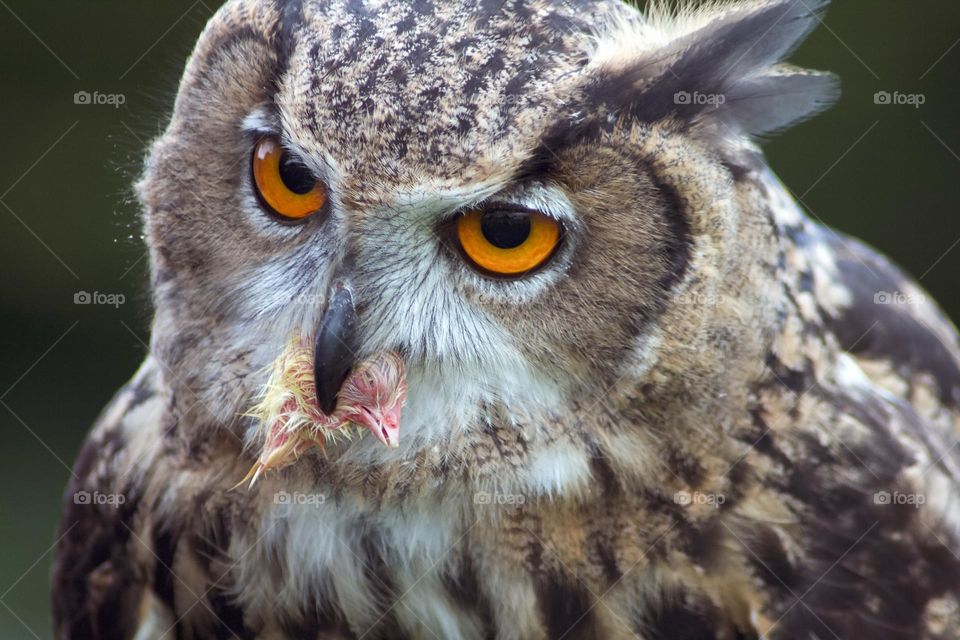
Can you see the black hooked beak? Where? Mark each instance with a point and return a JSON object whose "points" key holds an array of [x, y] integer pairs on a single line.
{"points": [[333, 354]]}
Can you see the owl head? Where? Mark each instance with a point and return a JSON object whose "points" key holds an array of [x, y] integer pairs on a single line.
{"points": [[518, 200]]}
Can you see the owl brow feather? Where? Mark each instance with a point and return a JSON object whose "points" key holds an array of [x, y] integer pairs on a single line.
{"points": [[285, 40]]}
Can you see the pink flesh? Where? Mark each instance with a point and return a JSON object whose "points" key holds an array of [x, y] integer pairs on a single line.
{"points": [[372, 396], [383, 423]]}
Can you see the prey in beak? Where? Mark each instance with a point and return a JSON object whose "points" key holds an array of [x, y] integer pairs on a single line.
{"points": [[318, 392]]}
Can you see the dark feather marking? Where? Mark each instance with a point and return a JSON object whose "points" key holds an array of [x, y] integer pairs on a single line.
{"points": [[879, 589], [463, 585], [564, 133], [739, 478], [565, 606], [684, 465], [604, 474], [479, 80], [380, 584], [705, 544], [770, 559], [605, 555], [291, 17], [796, 380], [681, 618], [884, 456], [895, 335], [866, 567], [207, 548], [326, 623], [95, 589], [761, 438], [230, 622], [601, 539], [534, 554], [679, 243], [165, 549]]}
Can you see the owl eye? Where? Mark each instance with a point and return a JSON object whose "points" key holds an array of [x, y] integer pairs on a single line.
{"points": [[284, 185], [507, 242]]}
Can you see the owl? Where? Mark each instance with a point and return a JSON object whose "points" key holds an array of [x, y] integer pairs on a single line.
{"points": [[488, 320]]}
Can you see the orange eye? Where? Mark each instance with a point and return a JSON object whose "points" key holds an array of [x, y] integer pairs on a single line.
{"points": [[507, 242], [284, 184]]}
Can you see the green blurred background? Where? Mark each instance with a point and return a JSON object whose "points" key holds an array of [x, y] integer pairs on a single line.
{"points": [[887, 173]]}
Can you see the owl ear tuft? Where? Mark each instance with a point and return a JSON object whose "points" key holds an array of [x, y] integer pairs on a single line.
{"points": [[718, 66]]}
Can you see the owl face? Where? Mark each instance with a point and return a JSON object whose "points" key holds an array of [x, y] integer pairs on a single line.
{"points": [[504, 192]]}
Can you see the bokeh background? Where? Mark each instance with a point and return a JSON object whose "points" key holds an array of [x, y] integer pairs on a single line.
{"points": [[888, 173]]}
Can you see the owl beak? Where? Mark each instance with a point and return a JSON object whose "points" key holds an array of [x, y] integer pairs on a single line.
{"points": [[335, 349]]}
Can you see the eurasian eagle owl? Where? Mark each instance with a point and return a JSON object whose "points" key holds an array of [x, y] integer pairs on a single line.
{"points": [[618, 384]]}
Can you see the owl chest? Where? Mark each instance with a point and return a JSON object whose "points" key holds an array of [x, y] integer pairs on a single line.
{"points": [[454, 572], [383, 571]]}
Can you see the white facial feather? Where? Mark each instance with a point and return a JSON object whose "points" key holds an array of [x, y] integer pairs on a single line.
{"points": [[460, 357]]}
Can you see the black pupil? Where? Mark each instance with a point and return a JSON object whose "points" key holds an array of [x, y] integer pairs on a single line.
{"points": [[505, 229], [295, 176]]}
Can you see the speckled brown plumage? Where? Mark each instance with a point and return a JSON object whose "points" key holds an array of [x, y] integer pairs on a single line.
{"points": [[697, 421]]}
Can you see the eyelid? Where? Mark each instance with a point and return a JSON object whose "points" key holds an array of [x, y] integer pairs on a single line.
{"points": [[546, 199], [502, 205]]}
